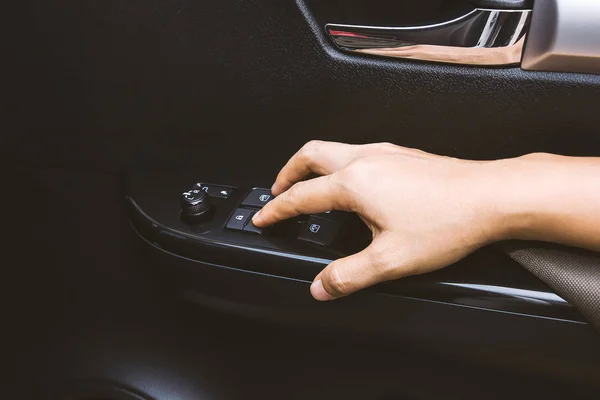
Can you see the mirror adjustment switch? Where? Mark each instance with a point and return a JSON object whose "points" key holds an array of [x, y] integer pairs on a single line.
{"points": [[195, 206], [221, 192], [192, 197], [258, 198], [239, 219], [318, 230]]}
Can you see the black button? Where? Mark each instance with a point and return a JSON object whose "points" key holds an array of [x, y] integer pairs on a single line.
{"points": [[239, 219], [318, 230], [258, 198], [250, 227], [218, 191]]}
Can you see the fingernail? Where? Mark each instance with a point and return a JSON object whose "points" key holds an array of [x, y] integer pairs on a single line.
{"points": [[255, 217], [318, 291]]}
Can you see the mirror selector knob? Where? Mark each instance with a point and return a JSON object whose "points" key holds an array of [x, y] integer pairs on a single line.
{"points": [[195, 206]]}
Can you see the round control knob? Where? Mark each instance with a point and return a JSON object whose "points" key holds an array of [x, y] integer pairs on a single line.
{"points": [[195, 206]]}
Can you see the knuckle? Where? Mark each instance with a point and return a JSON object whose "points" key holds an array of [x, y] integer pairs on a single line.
{"points": [[313, 143], [349, 173], [342, 184], [308, 151], [361, 170], [350, 184], [336, 181], [385, 147], [360, 164]]}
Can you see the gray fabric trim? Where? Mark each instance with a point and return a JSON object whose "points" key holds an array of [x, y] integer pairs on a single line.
{"points": [[573, 273]]}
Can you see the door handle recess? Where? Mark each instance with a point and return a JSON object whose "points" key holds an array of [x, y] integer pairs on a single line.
{"points": [[481, 37]]}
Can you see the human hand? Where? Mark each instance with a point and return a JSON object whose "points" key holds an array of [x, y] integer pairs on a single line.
{"points": [[425, 211]]}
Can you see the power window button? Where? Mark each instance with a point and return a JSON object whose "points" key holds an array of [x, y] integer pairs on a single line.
{"points": [[258, 198], [318, 230], [251, 228]]}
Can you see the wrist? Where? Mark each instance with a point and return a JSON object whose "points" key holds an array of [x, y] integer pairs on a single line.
{"points": [[520, 195], [512, 191]]}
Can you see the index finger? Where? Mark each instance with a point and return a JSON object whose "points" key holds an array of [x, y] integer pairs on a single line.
{"points": [[309, 197]]}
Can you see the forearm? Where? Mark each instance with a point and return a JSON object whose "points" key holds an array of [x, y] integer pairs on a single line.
{"points": [[549, 198]]}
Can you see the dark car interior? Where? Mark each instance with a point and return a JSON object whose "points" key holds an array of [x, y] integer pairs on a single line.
{"points": [[139, 137]]}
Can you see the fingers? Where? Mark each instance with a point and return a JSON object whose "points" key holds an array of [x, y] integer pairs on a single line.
{"points": [[348, 275], [310, 197], [324, 158]]}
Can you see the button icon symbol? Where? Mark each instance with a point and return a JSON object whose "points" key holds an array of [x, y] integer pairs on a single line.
{"points": [[314, 228], [224, 192], [205, 188], [264, 198], [239, 217]]}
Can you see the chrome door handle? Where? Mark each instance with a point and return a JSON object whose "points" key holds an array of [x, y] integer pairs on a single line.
{"points": [[480, 37]]}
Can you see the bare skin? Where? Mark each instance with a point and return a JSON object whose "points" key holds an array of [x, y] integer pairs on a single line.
{"points": [[427, 211]]}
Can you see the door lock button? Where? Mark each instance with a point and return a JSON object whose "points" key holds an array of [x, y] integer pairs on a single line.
{"points": [[258, 198], [318, 230], [239, 219]]}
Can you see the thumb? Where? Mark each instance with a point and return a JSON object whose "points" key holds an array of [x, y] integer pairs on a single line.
{"points": [[348, 275]]}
